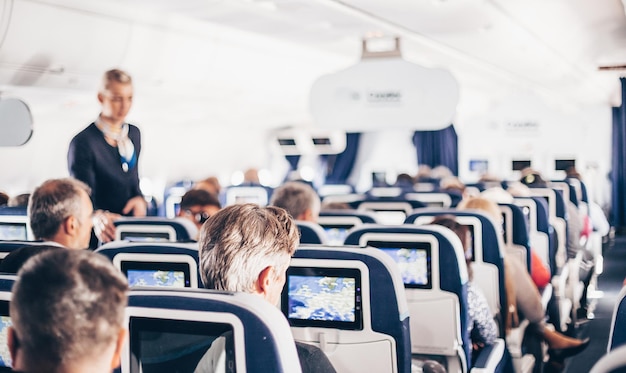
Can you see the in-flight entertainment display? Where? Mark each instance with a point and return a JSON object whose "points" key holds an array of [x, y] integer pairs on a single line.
{"points": [[323, 297], [413, 259]]}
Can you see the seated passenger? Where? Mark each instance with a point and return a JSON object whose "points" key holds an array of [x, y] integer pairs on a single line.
{"points": [[21, 200], [247, 248], [299, 199], [198, 206], [60, 212], [13, 262], [482, 327], [67, 312], [404, 182], [522, 294]]}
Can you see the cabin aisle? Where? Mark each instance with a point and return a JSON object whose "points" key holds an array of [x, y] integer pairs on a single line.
{"points": [[610, 282]]}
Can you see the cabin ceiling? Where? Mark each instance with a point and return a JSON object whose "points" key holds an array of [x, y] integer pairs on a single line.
{"points": [[553, 47]]}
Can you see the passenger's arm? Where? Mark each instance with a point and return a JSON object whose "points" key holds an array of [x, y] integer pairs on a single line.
{"points": [[538, 270], [484, 328]]}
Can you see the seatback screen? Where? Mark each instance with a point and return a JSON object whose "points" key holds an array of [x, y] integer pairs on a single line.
{"points": [[479, 165], [164, 345], [413, 259], [157, 274], [336, 233], [5, 322], [323, 297], [13, 231], [519, 165]]}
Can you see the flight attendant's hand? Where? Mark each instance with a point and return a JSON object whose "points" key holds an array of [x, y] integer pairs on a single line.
{"points": [[137, 205]]}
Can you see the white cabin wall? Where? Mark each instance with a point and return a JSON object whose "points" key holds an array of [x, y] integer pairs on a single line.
{"points": [[525, 128]]}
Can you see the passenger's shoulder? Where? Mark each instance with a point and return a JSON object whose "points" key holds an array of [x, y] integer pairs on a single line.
{"points": [[313, 360]]}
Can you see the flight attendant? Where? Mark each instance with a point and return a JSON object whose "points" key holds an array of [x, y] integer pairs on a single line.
{"points": [[105, 155]]}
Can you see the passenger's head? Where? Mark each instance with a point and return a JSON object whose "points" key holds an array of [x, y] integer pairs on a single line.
{"points": [[251, 176], [60, 210], [21, 200], [449, 221], [533, 179], [299, 199], [572, 173], [423, 172], [404, 180], [115, 95], [211, 184], [4, 198], [247, 248], [483, 204], [67, 310], [440, 172], [497, 194], [335, 206], [198, 206], [452, 184]]}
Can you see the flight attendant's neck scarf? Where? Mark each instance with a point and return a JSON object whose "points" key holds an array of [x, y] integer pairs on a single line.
{"points": [[125, 146]]}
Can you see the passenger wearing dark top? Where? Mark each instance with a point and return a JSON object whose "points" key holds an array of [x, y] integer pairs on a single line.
{"points": [[105, 155], [12, 263], [248, 248]]}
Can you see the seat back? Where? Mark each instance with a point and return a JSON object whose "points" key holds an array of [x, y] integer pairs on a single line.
{"points": [[337, 223], [516, 232], [435, 276], [556, 214], [488, 253], [538, 227], [334, 190], [14, 224], [162, 264], [431, 199], [246, 194], [617, 335], [173, 330], [350, 302], [6, 284], [389, 211], [311, 233], [172, 198], [155, 229]]}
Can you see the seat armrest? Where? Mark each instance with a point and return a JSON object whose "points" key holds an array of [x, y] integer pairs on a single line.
{"points": [[559, 281], [490, 357], [515, 337], [546, 295], [616, 358]]}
